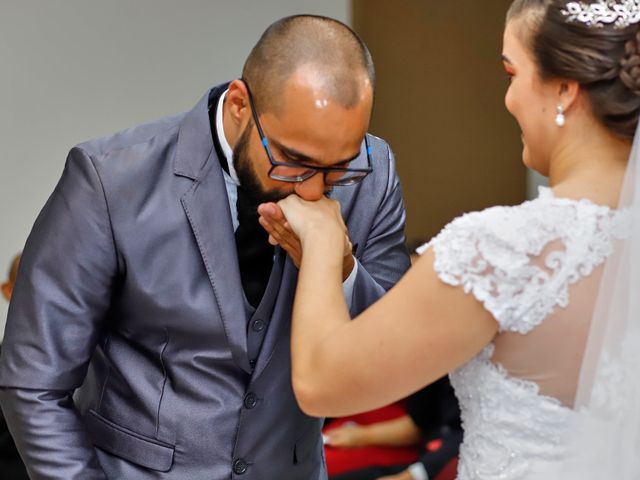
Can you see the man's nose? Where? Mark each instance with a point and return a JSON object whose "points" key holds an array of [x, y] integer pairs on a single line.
{"points": [[312, 189]]}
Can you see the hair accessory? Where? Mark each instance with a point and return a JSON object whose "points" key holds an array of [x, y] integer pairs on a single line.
{"points": [[619, 13], [560, 118]]}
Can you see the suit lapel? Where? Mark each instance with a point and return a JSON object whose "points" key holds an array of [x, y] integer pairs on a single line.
{"points": [[279, 329], [207, 208]]}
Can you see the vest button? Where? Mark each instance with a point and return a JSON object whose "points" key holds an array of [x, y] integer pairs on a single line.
{"points": [[240, 466], [250, 400], [258, 325]]}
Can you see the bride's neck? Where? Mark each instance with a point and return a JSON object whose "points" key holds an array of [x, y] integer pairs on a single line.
{"points": [[591, 166]]}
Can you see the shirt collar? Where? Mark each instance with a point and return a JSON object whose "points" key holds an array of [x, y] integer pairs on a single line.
{"points": [[222, 139]]}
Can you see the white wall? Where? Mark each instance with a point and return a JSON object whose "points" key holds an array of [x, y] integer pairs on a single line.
{"points": [[71, 70]]}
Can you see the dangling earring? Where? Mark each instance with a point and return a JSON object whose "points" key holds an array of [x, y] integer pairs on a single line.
{"points": [[560, 118]]}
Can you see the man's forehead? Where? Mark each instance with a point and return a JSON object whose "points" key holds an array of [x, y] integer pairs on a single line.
{"points": [[307, 111], [311, 88]]}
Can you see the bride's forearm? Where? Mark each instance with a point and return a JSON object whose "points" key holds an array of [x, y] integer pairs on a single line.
{"points": [[318, 313]]}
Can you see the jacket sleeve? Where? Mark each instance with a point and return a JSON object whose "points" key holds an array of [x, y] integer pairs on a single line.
{"points": [[384, 258], [57, 312]]}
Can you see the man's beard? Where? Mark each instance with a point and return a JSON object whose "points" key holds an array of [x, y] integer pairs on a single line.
{"points": [[249, 181]]}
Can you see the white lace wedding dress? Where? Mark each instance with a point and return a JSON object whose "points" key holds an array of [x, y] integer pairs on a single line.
{"points": [[536, 268]]}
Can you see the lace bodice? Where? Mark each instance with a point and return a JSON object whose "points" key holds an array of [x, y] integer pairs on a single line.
{"points": [[521, 262]]}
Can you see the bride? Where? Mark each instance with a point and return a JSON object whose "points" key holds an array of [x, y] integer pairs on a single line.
{"points": [[514, 302]]}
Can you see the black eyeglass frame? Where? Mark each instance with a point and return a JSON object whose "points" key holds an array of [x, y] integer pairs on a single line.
{"points": [[313, 170]]}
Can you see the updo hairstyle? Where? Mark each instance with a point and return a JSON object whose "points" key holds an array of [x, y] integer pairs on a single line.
{"points": [[605, 60]]}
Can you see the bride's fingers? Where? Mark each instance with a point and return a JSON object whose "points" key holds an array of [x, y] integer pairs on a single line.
{"points": [[283, 228], [288, 227], [275, 216]]}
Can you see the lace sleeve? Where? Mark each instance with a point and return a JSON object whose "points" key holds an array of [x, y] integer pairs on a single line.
{"points": [[480, 253]]}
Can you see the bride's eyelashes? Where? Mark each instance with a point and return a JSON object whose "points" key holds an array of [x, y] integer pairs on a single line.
{"points": [[509, 73], [508, 68]]}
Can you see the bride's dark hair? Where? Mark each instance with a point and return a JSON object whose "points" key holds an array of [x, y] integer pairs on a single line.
{"points": [[604, 60]]}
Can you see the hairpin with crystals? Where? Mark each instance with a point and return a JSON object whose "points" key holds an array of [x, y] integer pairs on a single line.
{"points": [[621, 14]]}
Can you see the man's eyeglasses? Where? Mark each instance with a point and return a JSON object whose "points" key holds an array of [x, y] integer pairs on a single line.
{"points": [[299, 172]]}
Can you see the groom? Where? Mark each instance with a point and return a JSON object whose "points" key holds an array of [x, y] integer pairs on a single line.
{"points": [[148, 336]]}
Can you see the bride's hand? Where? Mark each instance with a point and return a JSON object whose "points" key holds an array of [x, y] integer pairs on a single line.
{"points": [[310, 219], [293, 218]]}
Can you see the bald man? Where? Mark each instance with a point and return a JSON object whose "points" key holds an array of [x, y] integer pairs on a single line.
{"points": [[149, 331]]}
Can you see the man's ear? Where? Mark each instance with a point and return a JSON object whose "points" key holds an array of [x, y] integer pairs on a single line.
{"points": [[7, 290], [237, 102]]}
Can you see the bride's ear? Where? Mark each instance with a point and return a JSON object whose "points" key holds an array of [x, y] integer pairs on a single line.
{"points": [[568, 93]]}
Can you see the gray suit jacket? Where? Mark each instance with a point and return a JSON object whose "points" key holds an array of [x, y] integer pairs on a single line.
{"points": [[130, 352]]}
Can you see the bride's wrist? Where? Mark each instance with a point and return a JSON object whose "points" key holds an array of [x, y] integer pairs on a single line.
{"points": [[323, 237]]}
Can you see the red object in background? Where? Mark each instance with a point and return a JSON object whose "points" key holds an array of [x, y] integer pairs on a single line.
{"points": [[449, 472], [433, 445], [341, 460]]}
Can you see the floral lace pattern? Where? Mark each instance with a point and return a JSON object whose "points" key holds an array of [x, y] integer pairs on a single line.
{"points": [[502, 256], [618, 373], [508, 426]]}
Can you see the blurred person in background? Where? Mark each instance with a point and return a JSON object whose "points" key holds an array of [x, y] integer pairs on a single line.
{"points": [[7, 286], [414, 439], [431, 427]]}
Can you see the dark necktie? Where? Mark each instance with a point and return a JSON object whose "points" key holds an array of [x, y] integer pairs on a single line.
{"points": [[255, 254]]}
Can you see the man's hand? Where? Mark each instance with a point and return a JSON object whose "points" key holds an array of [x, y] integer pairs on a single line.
{"points": [[280, 232], [273, 220]]}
